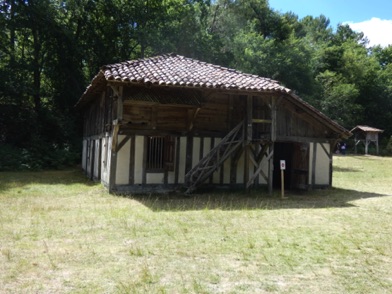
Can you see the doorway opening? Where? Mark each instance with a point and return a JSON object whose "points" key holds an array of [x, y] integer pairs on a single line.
{"points": [[296, 156]]}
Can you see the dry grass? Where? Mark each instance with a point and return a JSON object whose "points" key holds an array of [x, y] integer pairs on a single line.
{"points": [[59, 233]]}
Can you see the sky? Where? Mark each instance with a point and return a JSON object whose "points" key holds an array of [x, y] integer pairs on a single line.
{"points": [[372, 17]]}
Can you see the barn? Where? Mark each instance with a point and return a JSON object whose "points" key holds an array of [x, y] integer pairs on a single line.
{"points": [[172, 122]]}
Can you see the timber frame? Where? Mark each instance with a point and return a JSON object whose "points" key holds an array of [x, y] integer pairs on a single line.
{"points": [[204, 135]]}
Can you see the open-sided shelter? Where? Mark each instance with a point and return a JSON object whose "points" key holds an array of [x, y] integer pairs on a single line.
{"points": [[169, 121], [366, 135]]}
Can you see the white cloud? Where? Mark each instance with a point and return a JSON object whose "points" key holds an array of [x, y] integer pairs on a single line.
{"points": [[377, 30]]}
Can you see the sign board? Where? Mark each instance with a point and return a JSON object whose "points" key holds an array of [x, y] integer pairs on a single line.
{"points": [[282, 164]]}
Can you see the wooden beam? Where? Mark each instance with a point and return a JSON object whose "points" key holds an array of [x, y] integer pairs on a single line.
{"points": [[177, 162], [261, 121], [274, 119], [249, 117], [113, 159], [144, 166], [328, 153], [118, 91], [271, 169], [233, 165], [246, 165], [122, 143], [302, 139], [314, 164]]}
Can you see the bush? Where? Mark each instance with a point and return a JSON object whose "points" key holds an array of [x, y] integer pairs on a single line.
{"points": [[388, 149], [37, 157]]}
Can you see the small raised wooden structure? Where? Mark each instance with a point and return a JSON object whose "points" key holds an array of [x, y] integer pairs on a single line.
{"points": [[169, 121], [366, 135]]}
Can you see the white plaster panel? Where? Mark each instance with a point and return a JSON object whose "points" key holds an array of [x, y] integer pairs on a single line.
{"points": [[206, 146], [322, 165], [123, 158], [155, 178], [196, 151], [139, 148]]}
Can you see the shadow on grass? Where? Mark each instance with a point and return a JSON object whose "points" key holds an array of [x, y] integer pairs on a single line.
{"points": [[11, 180], [257, 199]]}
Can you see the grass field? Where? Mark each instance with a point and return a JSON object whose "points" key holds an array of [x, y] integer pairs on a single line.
{"points": [[60, 233]]}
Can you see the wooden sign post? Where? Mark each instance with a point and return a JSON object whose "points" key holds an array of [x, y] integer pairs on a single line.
{"points": [[282, 169]]}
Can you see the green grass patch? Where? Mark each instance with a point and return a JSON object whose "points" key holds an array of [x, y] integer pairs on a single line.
{"points": [[60, 233]]}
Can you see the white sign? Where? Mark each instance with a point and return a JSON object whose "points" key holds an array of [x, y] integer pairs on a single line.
{"points": [[283, 164]]}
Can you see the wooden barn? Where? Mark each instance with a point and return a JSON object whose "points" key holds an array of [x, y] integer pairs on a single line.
{"points": [[171, 122]]}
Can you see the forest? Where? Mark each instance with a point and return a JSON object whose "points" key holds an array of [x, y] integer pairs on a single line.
{"points": [[51, 49]]}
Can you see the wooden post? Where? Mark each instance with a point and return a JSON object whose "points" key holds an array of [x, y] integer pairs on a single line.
{"points": [[113, 158], [273, 119], [249, 117], [282, 169], [314, 165], [271, 169], [366, 146], [282, 180]]}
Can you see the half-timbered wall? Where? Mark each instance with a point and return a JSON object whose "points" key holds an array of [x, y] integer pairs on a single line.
{"points": [[196, 130], [131, 166]]}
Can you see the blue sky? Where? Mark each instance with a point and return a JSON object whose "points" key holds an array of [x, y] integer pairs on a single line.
{"points": [[372, 17]]}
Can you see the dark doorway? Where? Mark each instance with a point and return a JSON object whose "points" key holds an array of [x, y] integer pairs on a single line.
{"points": [[296, 156], [282, 151]]}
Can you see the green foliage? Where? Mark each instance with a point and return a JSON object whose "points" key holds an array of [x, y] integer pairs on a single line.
{"points": [[50, 50]]}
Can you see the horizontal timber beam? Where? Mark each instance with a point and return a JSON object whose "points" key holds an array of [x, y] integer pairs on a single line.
{"points": [[303, 139]]}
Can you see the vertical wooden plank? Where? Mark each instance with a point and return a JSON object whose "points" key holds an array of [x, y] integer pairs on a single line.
{"points": [[177, 162], [144, 173], [249, 117], [271, 169], [165, 177], [113, 159], [221, 174], [154, 116], [314, 159], [230, 113], [132, 162], [246, 165], [258, 159], [120, 104], [189, 153], [273, 118], [212, 144]]}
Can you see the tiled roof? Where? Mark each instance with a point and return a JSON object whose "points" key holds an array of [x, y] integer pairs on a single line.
{"points": [[177, 70], [171, 70], [366, 129]]}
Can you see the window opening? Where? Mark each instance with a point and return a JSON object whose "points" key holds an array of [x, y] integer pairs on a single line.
{"points": [[160, 153]]}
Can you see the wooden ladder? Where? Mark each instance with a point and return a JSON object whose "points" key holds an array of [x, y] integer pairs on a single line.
{"points": [[215, 158]]}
